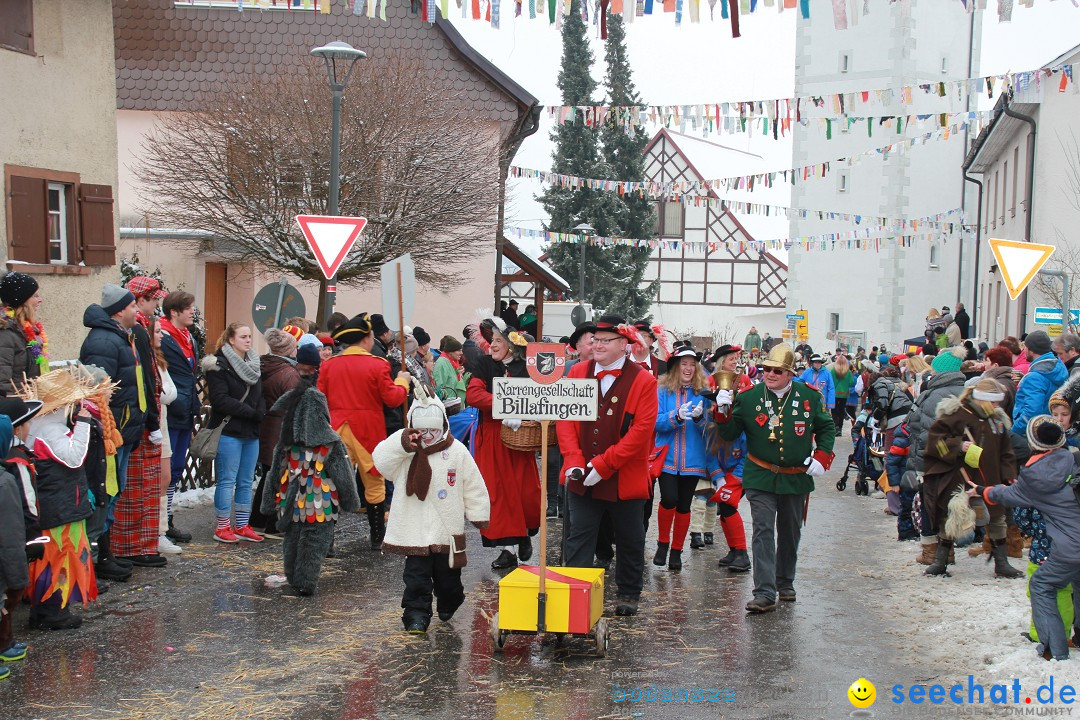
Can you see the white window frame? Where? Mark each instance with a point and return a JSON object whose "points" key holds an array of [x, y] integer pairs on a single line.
{"points": [[845, 62], [62, 190], [843, 182], [935, 256]]}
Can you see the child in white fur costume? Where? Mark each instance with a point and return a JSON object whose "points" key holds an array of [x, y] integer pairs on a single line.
{"points": [[442, 486]]}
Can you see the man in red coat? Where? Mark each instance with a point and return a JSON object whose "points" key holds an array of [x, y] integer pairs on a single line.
{"points": [[357, 386], [606, 462]]}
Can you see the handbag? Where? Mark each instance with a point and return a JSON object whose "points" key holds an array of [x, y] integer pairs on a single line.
{"points": [[204, 446]]}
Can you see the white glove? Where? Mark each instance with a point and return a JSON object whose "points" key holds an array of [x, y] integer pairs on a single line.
{"points": [[724, 398], [155, 437], [813, 467], [684, 411], [512, 423], [592, 478], [698, 411]]}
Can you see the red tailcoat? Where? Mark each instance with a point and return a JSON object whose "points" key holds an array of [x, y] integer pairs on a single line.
{"points": [[619, 442], [357, 385]]}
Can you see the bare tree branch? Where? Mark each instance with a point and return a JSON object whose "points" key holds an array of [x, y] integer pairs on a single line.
{"points": [[414, 162]]}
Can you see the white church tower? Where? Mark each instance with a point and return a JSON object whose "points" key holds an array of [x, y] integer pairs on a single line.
{"points": [[859, 295]]}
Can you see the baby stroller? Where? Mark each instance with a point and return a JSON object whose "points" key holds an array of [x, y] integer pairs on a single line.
{"points": [[868, 458]]}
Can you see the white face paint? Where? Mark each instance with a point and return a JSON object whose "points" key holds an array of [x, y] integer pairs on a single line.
{"points": [[430, 436]]}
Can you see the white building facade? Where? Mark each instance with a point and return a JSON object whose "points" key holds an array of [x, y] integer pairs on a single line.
{"points": [[875, 297]]}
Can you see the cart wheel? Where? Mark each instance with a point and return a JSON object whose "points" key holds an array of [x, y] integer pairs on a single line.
{"points": [[498, 637], [600, 635], [841, 484]]}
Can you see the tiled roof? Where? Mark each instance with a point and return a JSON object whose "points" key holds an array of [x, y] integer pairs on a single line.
{"points": [[166, 55]]}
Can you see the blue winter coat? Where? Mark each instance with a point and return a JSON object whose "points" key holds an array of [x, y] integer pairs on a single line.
{"points": [[896, 460], [687, 449], [823, 381], [1044, 486], [185, 408], [112, 348], [1045, 375], [732, 459]]}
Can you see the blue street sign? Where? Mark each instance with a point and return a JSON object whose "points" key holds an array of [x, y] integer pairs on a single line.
{"points": [[1052, 316]]}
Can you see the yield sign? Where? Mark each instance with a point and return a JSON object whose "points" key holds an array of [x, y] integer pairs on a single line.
{"points": [[330, 237], [1019, 261]]}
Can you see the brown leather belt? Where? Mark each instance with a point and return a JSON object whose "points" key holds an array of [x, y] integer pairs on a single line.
{"points": [[776, 468]]}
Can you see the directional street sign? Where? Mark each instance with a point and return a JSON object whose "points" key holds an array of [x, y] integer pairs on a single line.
{"points": [[1019, 261], [330, 238], [1052, 316], [398, 291]]}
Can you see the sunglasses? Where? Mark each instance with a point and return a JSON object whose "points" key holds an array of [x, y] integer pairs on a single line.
{"points": [[772, 371]]}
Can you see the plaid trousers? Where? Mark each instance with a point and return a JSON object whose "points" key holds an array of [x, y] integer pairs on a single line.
{"points": [[138, 511]]}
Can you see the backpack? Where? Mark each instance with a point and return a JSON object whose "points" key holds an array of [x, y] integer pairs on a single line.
{"points": [[888, 400]]}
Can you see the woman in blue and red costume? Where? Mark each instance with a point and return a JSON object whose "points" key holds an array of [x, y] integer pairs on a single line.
{"points": [[511, 476]]}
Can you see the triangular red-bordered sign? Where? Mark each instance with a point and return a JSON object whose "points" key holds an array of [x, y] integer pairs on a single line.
{"points": [[330, 238]]}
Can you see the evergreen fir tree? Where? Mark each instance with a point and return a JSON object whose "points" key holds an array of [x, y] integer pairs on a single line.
{"points": [[613, 275]]}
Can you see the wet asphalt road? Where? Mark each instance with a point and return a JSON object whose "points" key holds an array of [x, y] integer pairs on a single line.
{"points": [[204, 638]]}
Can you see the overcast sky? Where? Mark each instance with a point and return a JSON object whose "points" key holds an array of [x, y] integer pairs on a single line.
{"points": [[697, 63]]}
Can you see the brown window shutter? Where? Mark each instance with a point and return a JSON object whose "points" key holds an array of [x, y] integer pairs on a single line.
{"points": [[29, 220], [96, 232], [17, 25]]}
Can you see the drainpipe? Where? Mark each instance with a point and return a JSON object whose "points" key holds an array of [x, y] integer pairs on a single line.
{"points": [[1028, 200], [529, 124], [978, 245], [963, 187]]}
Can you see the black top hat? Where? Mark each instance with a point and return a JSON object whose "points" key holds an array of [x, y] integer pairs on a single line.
{"points": [[355, 330], [681, 349], [579, 331], [725, 349], [19, 410], [378, 325], [644, 327], [610, 323]]}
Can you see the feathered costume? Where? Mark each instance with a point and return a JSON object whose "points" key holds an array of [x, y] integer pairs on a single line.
{"points": [[315, 484]]}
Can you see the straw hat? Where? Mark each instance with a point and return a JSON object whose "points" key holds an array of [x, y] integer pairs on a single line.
{"points": [[63, 388]]}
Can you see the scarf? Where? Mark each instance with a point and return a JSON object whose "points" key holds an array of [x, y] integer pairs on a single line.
{"points": [[182, 336], [248, 367], [419, 478], [37, 342]]}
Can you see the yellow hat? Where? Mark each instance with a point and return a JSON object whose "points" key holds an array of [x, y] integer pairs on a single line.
{"points": [[781, 356]]}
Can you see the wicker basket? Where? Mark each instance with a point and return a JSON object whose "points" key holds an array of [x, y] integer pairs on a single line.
{"points": [[527, 437]]}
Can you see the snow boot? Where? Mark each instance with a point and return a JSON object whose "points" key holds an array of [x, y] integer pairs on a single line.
{"points": [[729, 558], [941, 559], [525, 549], [660, 558], [1000, 555], [696, 543], [675, 560], [977, 550], [708, 538], [376, 524], [176, 534], [107, 567], [1015, 542], [739, 563]]}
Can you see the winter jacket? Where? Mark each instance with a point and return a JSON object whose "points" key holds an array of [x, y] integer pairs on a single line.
{"points": [[1004, 377], [685, 439], [952, 332], [305, 424], [1045, 375], [821, 380], [752, 342], [896, 459], [188, 405], [963, 322], [59, 453], [14, 571], [15, 359], [924, 412], [471, 358], [116, 351], [358, 386], [393, 415], [1043, 484], [226, 392], [278, 377], [448, 384], [457, 491], [995, 462], [842, 384], [730, 460], [888, 401]]}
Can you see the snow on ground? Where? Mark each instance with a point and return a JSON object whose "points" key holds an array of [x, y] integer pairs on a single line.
{"points": [[968, 624], [194, 497]]}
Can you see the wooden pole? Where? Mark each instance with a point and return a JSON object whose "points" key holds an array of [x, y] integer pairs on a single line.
{"points": [[401, 336], [541, 598]]}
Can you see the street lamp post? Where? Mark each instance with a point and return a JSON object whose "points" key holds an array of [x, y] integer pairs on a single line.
{"points": [[585, 230], [340, 58]]}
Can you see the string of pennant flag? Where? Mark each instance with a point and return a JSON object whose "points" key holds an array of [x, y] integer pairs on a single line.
{"points": [[778, 116], [694, 192], [846, 14], [874, 239]]}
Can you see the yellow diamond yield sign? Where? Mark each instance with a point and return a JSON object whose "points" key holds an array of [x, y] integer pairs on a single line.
{"points": [[1019, 261]]}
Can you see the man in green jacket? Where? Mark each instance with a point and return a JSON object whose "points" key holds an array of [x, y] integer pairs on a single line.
{"points": [[752, 343], [789, 441]]}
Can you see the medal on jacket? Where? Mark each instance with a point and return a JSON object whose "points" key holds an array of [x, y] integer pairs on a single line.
{"points": [[774, 422]]}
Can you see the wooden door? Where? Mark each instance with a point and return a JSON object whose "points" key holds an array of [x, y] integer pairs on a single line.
{"points": [[214, 302]]}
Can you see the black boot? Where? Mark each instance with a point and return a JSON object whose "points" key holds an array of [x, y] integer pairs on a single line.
{"points": [[505, 560], [660, 558], [739, 563], [675, 561], [525, 549], [729, 558], [708, 538], [1002, 568], [376, 524], [176, 534], [696, 543], [941, 559], [106, 567]]}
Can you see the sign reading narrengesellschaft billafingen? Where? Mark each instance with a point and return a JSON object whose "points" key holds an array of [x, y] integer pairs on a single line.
{"points": [[526, 399]]}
